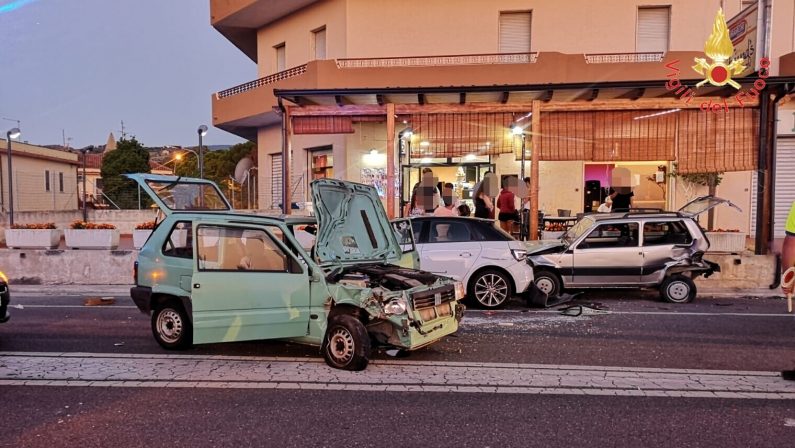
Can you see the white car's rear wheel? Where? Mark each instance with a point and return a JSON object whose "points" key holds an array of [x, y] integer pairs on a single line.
{"points": [[490, 289]]}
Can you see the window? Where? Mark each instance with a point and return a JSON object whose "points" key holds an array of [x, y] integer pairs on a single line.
{"points": [[449, 232], [665, 233], [281, 57], [515, 32], [46, 181], [612, 236], [319, 42], [654, 27], [60, 182], [180, 242], [321, 164], [238, 249]]}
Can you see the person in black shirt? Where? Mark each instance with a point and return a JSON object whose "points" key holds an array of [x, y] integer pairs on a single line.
{"points": [[622, 202]]}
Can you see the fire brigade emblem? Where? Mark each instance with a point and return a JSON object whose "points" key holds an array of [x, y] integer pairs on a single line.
{"points": [[719, 48]]}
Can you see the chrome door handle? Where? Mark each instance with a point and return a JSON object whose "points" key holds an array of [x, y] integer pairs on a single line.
{"points": [[465, 254]]}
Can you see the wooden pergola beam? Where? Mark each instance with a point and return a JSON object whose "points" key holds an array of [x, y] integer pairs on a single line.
{"points": [[594, 94], [547, 96], [339, 100], [462, 98], [535, 144], [552, 106], [504, 98], [390, 160], [421, 98], [379, 99]]}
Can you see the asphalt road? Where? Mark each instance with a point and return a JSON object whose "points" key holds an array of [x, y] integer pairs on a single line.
{"points": [[733, 334]]}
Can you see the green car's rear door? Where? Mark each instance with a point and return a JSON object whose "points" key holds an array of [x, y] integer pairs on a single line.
{"points": [[247, 285]]}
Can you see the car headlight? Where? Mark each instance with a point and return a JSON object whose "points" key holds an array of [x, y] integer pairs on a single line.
{"points": [[519, 254], [460, 291], [395, 306]]}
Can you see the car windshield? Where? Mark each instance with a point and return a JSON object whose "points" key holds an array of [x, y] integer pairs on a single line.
{"points": [[577, 230], [188, 195]]}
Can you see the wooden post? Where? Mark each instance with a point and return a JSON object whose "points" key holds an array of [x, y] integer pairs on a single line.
{"points": [[390, 160], [535, 140], [287, 130]]}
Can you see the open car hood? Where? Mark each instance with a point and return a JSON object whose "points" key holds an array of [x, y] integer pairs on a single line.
{"points": [[703, 204], [176, 193], [352, 226]]}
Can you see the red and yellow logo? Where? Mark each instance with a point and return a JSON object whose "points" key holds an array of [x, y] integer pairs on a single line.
{"points": [[719, 49]]}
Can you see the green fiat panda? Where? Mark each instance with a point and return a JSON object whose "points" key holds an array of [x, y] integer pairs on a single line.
{"points": [[209, 274]]}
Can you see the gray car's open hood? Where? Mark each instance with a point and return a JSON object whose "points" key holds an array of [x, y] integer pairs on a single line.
{"points": [[352, 224]]}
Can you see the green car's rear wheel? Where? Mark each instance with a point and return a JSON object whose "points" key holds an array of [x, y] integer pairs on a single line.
{"points": [[171, 327]]}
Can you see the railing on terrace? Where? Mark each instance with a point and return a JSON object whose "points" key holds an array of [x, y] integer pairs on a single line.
{"points": [[435, 61], [619, 58], [270, 79]]}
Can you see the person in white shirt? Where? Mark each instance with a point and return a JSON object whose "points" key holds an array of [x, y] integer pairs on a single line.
{"points": [[448, 197]]}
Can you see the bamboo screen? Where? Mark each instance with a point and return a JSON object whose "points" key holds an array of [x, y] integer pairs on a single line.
{"points": [[457, 135], [326, 124], [715, 142], [639, 135]]}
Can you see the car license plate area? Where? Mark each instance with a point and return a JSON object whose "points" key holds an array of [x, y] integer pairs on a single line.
{"points": [[429, 314]]}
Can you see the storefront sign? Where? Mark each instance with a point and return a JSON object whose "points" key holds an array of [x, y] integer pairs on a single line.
{"points": [[722, 65], [744, 32]]}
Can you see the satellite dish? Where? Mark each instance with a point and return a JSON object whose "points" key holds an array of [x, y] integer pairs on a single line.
{"points": [[241, 170]]}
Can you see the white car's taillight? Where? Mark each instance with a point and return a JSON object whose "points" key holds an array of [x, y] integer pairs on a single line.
{"points": [[460, 291]]}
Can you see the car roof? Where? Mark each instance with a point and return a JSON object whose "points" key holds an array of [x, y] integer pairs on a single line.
{"points": [[467, 218], [287, 219]]}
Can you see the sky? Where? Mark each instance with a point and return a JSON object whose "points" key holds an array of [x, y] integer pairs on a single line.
{"points": [[83, 66]]}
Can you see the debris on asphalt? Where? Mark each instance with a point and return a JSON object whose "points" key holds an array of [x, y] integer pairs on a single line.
{"points": [[118, 344], [505, 324], [397, 353], [17, 306], [99, 301]]}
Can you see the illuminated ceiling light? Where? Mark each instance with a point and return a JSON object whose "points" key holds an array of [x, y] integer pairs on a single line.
{"points": [[488, 144], [373, 152], [517, 130], [425, 143], [425, 160], [470, 157]]}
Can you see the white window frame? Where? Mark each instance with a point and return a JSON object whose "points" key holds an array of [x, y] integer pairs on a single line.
{"points": [[637, 28], [499, 30]]}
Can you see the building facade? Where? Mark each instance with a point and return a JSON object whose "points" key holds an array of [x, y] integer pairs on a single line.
{"points": [[339, 45]]}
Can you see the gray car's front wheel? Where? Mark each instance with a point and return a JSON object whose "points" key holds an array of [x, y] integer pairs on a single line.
{"points": [[547, 282], [678, 289], [171, 327], [490, 289]]}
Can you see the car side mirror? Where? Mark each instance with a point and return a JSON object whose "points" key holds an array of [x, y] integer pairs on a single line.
{"points": [[315, 276]]}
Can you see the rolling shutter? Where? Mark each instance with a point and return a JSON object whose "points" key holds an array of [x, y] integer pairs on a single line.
{"points": [[281, 58], [653, 30], [276, 180], [515, 32], [320, 43], [785, 183]]}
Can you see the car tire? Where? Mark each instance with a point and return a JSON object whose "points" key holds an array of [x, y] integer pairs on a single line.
{"points": [[548, 282], [347, 343], [678, 289], [489, 289], [171, 326]]}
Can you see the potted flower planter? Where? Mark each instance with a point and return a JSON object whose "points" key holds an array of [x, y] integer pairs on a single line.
{"points": [[33, 238], [726, 241], [140, 236], [84, 235]]}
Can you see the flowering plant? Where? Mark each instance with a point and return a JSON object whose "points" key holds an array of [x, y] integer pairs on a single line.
{"points": [[91, 225], [148, 225], [36, 226]]}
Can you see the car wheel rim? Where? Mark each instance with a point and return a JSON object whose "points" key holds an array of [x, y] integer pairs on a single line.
{"points": [[169, 326], [678, 291], [491, 290], [341, 345], [545, 285]]}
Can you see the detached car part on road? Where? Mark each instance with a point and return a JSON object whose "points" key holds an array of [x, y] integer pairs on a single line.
{"points": [[5, 299], [208, 274], [629, 250]]}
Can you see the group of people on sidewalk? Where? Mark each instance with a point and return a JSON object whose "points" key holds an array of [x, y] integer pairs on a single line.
{"points": [[426, 198]]}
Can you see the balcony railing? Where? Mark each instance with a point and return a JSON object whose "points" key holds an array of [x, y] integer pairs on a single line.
{"points": [[435, 61], [270, 79], [619, 58]]}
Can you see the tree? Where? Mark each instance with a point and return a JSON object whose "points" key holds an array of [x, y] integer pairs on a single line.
{"points": [[128, 157], [218, 165]]}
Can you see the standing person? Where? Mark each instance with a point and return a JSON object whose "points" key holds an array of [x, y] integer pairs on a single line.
{"points": [[622, 202], [788, 261], [507, 205], [483, 206], [447, 195]]}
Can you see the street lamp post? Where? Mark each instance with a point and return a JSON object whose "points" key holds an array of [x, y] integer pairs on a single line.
{"points": [[202, 131], [13, 133], [85, 193]]}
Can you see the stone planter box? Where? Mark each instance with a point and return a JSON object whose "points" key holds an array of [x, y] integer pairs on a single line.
{"points": [[140, 236], [92, 238], [726, 241], [33, 238]]}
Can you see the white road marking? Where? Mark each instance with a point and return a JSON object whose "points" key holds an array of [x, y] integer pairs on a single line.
{"points": [[186, 371]]}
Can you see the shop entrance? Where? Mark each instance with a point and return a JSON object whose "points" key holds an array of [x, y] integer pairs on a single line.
{"points": [[649, 184], [463, 175]]}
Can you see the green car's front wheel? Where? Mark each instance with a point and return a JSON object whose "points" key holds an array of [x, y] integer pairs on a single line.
{"points": [[171, 327], [347, 344]]}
